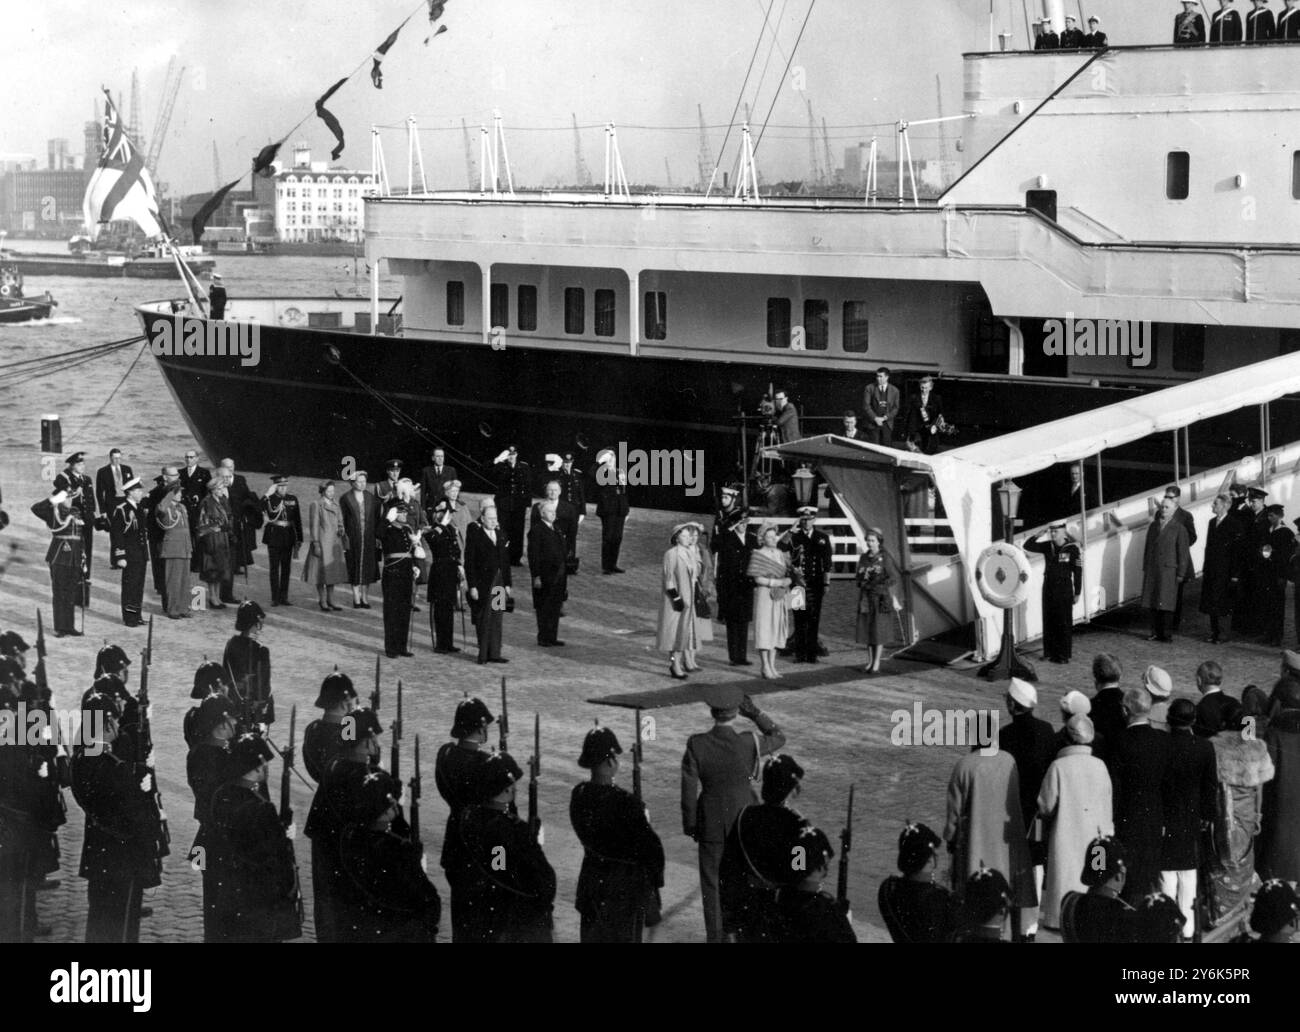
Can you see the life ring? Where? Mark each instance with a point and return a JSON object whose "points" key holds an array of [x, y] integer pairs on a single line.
{"points": [[1002, 575], [7, 290], [292, 316]]}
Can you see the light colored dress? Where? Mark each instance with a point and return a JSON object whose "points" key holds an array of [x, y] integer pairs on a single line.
{"points": [[325, 526], [677, 627], [772, 621]]}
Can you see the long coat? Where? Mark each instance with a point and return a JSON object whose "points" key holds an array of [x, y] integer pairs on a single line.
{"points": [[361, 524], [1075, 804], [717, 770], [486, 565], [735, 590], [1279, 845], [1165, 563], [1138, 759], [680, 572], [173, 521], [327, 564], [1221, 547], [985, 823], [1191, 788]]}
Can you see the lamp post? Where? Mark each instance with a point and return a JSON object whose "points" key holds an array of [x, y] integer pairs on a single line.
{"points": [[1007, 664], [803, 484]]}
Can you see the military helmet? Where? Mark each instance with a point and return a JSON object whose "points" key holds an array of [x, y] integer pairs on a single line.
{"points": [[209, 677], [248, 616], [471, 715], [334, 689], [600, 744], [377, 791], [111, 659], [495, 775], [247, 752]]}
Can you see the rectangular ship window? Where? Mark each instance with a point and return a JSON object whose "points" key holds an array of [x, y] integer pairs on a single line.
{"points": [[816, 324], [500, 305], [854, 331], [778, 322], [656, 315], [575, 305], [455, 303], [1295, 175], [1177, 175], [527, 308], [324, 320], [604, 313], [1189, 348]]}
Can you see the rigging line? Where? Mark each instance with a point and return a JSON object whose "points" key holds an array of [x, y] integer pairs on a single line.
{"points": [[758, 90], [686, 129], [106, 346], [144, 346], [27, 376], [793, 50], [740, 96]]}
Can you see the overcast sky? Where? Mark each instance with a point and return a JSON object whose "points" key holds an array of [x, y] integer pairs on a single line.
{"points": [[255, 68]]}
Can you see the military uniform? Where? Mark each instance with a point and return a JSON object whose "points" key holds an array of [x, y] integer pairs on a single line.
{"points": [[612, 506], [457, 772], [1189, 28], [1247, 614], [283, 537], [330, 810], [205, 771], [573, 490], [1272, 577], [249, 664], [194, 488], [810, 555], [1071, 36], [1261, 26], [398, 580], [514, 491], [1062, 582], [81, 499], [807, 916], [1225, 26], [130, 545], [510, 885], [755, 866], [445, 575], [67, 559], [155, 536]]}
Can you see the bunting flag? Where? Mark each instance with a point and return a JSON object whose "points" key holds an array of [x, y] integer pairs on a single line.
{"points": [[377, 73], [263, 163], [120, 187], [201, 216], [435, 12], [330, 121]]}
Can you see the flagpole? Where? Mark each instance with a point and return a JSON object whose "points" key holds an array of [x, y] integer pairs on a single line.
{"points": [[192, 287]]}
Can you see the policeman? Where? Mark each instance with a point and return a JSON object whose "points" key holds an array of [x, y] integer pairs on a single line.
{"points": [[385, 895], [282, 536], [400, 548], [257, 893], [249, 664], [206, 770], [456, 772], [810, 553], [574, 491], [112, 669], [322, 741], [1062, 582], [66, 558], [446, 578], [915, 909], [120, 853], [129, 539], [1099, 915], [623, 859], [80, 493], [210, 681], [804, 912], [510, 888], [756, 856], [514, 490]]}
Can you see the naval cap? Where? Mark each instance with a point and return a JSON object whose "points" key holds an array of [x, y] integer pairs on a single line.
{"points": [[75, 457], [724, 696]]}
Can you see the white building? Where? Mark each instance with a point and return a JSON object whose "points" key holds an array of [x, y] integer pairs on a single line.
{"points": [[314, 202]]}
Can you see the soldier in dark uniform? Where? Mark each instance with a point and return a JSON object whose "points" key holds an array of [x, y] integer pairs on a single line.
{"points": [[756, 861], [217, 297], [1047, 38], [804, 912], [1273, 566], [1288, 23], [1099, 915], [510, 885], [206, 770], [456, 773], [915, 909], [546, 550], [387, 488], [81, 499], [573, 490], [322, 741], [1247, 617], [1071, 35], [1189, 27], [249, 664], [194, 488], [1273, 917], [130, 550], [282, 536], [728, 502], [122, 851], [1260, 24], [732, 544], [66, 558], [1095, 39], [810, 554], [984, 906], [398, 546], [211, 680], [162, 485], [257, 895], [1062, 582], [1225, 24], [330, 809], [612, 506], [623, 859], [446, 578], [514, 491], [384, 894]]}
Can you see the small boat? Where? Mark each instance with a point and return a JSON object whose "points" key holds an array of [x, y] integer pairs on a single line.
{"points": [[15, 308]]}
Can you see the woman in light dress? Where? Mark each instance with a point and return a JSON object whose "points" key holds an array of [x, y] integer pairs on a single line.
{"points": [[325, 565], [772, 573], [677, 623]]}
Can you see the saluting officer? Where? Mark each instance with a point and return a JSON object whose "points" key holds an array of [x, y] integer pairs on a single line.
{"points": [[66, 558], [257, 893], [805, 913], [456, 773], [446, 578], [510, 888], [623, 859], [1062, 582], [399, 547], [206, 770], [810, 554], [573, 489], [80, 498], [322, 740], [282, 536], [129, 539], [514, 491], [152, 502]]}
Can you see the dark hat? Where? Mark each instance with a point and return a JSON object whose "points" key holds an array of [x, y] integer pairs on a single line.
{"points": [[280, 478], [987, 892], [1158, 920], [781, 776], [917, 843], [211, 713], [1182, 713], [816, 846], [497, 773], [393, 464], [1275, 510], [11, 670], [248, 614], [471, 715], [441, 507], [600, 744], [11, 642], [75, 457], [1276, 906], [1102, 860], [1236, 488], [365, 724], [111, 658], [724, 696], [208, 678], [568, 456], [100, 702], [247, 752], [334, 689], [377, 791], [1255, 492]]}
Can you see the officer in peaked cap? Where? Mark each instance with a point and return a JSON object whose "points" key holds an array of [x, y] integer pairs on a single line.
{"points": [[322, 740], [1247, 615], [1071, 36], [80, 492], [129, 549], [514, 490], [387, 488], [1095, 38], [984, 906], [1273, 563], [1099, 915], [514, 903], [282, 535], [456, 772], [1062, 583], [804, 913], [811, 555], [446, 576]]}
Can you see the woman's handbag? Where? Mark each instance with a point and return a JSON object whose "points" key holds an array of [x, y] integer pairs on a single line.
{"points": [[798, 598], [702, 608]]}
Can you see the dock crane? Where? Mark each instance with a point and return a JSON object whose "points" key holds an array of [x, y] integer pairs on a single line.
{"points": [[171, 88], [471, 171], [581, 171]]}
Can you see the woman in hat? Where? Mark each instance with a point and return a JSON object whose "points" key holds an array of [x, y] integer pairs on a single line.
{"points": [[876, 575], [175, 549], [1244, 767], [325, 565], [681, 571], [772, 573], [216, 526], [708, 593]]}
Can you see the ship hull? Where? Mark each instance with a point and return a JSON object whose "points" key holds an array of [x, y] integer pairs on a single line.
{"points": [[24, 310], [137, 268]]}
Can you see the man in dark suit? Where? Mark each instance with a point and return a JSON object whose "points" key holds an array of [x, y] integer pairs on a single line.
{"points": [[1247, 620], [1190, 790], [787, 417], [851, 429], [1225, 24], [81, 499], [612, 506], [1107, 700], [1047, 38], [130, 550], [924, 417], [359, 510], [733, 545], [1288, 23], [282, 536], [194, 488], [881, 403], [487, 572], [1274, 564], [1138, 760], [547, 549], [573, 490], [514, 490], [566, 519], [109, 493], [1260, 23], [716, 786], [1189, 29], [1214, 700], [1220, 574], [434, 478], [246, 508], [1183, 517]]}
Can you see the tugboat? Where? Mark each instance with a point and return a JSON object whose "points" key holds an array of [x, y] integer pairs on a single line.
{"points": [[15, 308]]}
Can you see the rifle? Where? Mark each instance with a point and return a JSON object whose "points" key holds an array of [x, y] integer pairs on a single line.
{"points": [[636, 759], [374, 695], [414, 819], [846, 847], [395, 752], [503, 728], [534, 772], [144, 740], [286, 754]]}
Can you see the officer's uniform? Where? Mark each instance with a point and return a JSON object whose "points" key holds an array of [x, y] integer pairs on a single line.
{"points": [[805, 914], [1062, 582], [612, 506], [205, 770], [398, 578], [756, 863], [810, 555], [249, 664], [81, 498], [1272, 579], [573, 490], [1225, 26], [130, 544], [330, 809], [67, 559], [282, 536], [445, 575], [457, 772], [1261, 26], [514, 491]]}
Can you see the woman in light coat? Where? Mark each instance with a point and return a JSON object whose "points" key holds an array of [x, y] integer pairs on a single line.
{"points": [[681, 570], [325, 565], [708, 589], [772, 573]]}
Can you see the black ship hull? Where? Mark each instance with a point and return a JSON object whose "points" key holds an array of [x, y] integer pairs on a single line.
{"points": [[19, 310], [135, 268]]}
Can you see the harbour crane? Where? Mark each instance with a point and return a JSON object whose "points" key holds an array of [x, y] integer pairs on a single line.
{"points": [[815, 175], [471, 171], [171, 88], [581, 171], [705, 159]]}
